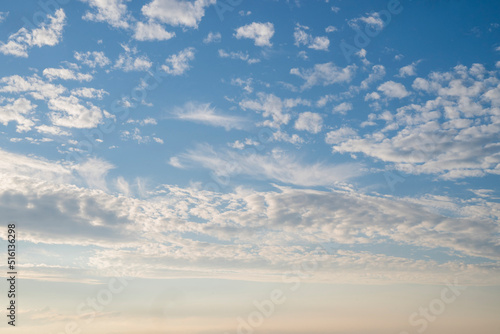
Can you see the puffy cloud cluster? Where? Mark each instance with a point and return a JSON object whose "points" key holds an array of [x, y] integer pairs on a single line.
{"points": [[261, 33], [48, 33], [66, 108], [450, 130], [262, 231]]}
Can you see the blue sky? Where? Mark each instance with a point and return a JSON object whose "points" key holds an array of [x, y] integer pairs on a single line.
{"points": [[232, 140]]}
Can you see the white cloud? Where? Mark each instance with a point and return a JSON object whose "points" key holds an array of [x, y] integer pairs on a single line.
{"points": [[330, 29], [373, 20], [65, 74], [408, 70], [272, 106], [277, 165], [282, 136], [247, 228], [33, 85], [94, 172], [306, 39], [393, 89], [18, 112], [178, 64], [324, 74], [129, 61], [146, 121], [151, 32], [3, 16], [52, 130], [372, 96], [451, 135], [47, 34], [239, 145], [342, 108], [185, 13], [113, 12], [362, 55], [92, 59], [261, 33], [14, 165], [212, 38], [136, 135], [246, 84], [378, 73], [89, 93], [308, 121], [70, 112], [238, 55], [340, 135], [206, 114]]}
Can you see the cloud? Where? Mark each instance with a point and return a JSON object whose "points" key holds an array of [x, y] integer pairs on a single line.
{"points": [[408, 70], [113, 12], [89, 93], [372, 20], [342, 108], [13, 165], [18, 111], [247, 230], [340, 135], [212, 38], [151, 32], [65, 74], [94, 172], [281, 136], [330, 29], [33, 85], [206, 114], [261, 33], [3, 16], [272, 106], [177, 13], [277, 166], [178, 64], [448, 132], [324, 74], [378, 73], [238, 55], [308, 121], [92, 59], [129, 61], [136, 135], [52, 130], [393, 89], [70, 112], [303, 38], [47, 34], [144, 122]]}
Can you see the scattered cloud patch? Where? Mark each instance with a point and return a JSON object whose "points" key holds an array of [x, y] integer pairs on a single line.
{"points": [[92, 59], [308, 121], [177, 13], [178, 64], [151, 32], [212, 38], [206, 114], [48, 33], [261, 33], [324, 74]]}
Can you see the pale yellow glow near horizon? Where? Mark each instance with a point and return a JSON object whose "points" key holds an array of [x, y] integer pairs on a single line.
{"points": [[219, 306]]}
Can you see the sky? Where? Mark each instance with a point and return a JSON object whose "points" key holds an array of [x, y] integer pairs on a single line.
{"points": [[268, 166]]}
